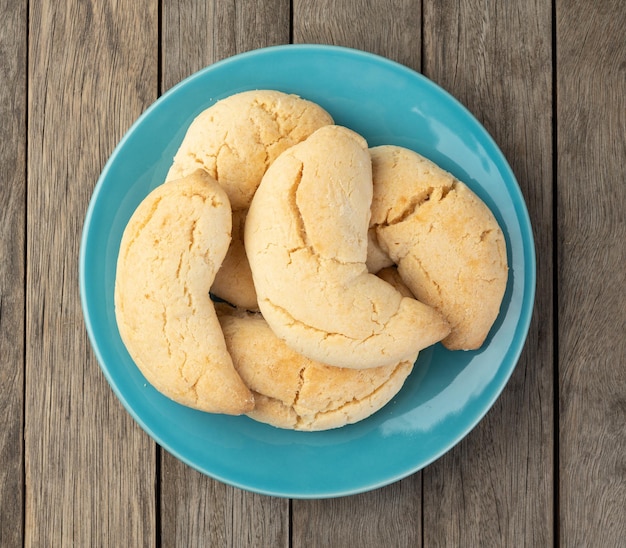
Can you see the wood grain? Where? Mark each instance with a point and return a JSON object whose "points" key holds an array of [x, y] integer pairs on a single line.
{"points": [[591, 206], [497, 484], [74, 75], [210, 513], [12, 273], [89, 468], [391, 29], [196, 34], [197, 510], [389, 516]]}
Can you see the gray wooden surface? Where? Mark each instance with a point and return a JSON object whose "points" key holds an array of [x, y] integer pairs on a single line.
{"points": [[546, 466]]}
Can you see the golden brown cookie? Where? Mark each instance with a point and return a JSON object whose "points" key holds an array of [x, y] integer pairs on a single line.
{"points": [[170, 251], [306, 240], [235, 141], [294, 392], [447, 244]]}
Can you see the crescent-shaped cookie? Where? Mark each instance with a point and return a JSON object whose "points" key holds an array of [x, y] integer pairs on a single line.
{"points": [[306, 240], [235, 141], [448, 246], [170, 251], [294, 392]]}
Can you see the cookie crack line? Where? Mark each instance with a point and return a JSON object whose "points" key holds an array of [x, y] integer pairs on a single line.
{"points": [[138, 230], [334, 260], [273, 110], [307, 420], [300, 385], [427, 275], [299, 221], [192, 235], [417, 201], [328, 334], [164, 322], [293, 202], [192, 386], [302, 232], [259, 139]]}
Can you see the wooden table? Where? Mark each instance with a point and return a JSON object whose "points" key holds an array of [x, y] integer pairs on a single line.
{"points": [[546, 466]]}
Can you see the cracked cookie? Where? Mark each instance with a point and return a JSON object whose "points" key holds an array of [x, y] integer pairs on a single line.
{"points": [[235, 141], [170, 251], [306, 238], [294, 392], [448, 246]]}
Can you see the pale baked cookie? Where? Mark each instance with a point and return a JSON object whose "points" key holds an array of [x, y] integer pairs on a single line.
{"points": [[391, 275], [235, 140], [448, 246], [306, 240], [294, 392], [377, 259], [233, 281], [170, 251]]}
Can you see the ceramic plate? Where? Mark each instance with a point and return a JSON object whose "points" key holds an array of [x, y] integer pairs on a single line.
{"points": [[447, 393]]}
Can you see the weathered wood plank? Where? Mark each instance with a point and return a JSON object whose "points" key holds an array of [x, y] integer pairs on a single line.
{"points": [[196, 34], [495, 488], [390, 516], [197, 510], [390, 29], [89, 468], [12, 274], [591, 213], [200, 511]]}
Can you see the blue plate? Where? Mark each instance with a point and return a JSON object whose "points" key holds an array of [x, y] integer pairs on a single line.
{"points": [[447, 393]]}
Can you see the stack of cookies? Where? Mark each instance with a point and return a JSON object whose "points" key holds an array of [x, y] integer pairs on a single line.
{"points": [[333, 265]]}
